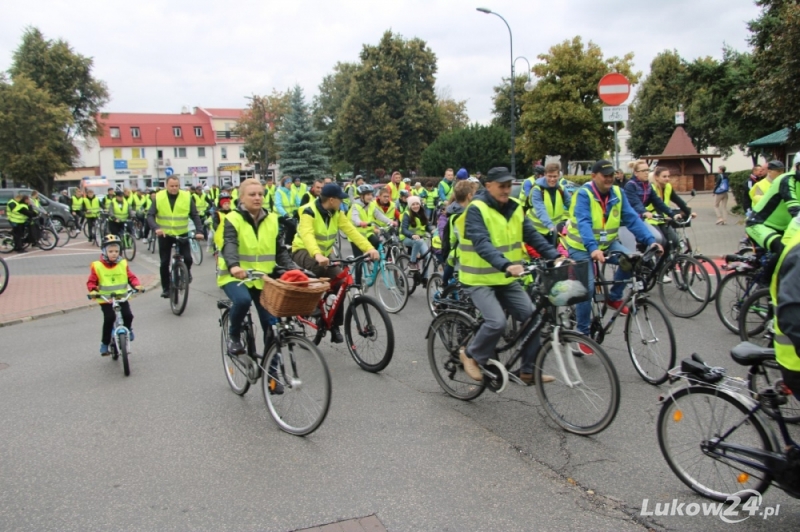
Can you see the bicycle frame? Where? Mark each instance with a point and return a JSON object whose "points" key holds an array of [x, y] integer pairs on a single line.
{"points": [[345, 283]]}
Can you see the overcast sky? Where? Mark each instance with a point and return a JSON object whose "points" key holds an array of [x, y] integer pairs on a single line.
{"points": [[157, 56]]}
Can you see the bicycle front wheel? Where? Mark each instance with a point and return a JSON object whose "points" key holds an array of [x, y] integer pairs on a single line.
{"points": [[369, 334], [690, 427], [584, 398], [650, 341], [733, 290], [434, 292], [197, 251], [296, 385], [684, 287], [714, 274], [62, 233], [755, 319], [124, 350], [3, 276], [392, 288], [448, 333], [179, 288], [234, 370], [47, 240], [6, 242], [129, 246]]}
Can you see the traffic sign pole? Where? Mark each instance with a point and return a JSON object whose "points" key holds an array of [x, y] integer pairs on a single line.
{"points": [[614, 89]]}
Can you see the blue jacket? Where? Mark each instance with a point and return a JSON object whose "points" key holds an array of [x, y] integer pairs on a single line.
{"points": [[537, 200], [640, 194], [477, 232], [442, 195], [279, 206], [629, 218]]}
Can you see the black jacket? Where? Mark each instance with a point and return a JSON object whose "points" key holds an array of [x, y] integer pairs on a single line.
{"points": [[230, 246]]}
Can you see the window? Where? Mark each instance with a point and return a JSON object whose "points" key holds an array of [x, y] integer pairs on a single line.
{"points": [[201, 152], [135, 132], [176, 130], [114, 132], [117, 153], [137, 153], [198, 131], [224, 152], [180, 152], [241, 153]]}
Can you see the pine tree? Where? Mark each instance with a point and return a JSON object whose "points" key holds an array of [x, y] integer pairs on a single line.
{"points": [[302, 149]]}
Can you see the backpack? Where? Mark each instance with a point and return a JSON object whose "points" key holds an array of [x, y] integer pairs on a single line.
{"points": [[723, 185]]}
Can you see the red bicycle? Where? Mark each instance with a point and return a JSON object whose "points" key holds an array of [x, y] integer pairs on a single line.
{"points": [[368, 330]]}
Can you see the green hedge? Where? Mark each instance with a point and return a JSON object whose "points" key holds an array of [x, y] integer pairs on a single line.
{"points": [[738, 184]]}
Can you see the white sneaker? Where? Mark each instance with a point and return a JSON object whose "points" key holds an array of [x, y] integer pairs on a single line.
{"points": [[666, 279]]}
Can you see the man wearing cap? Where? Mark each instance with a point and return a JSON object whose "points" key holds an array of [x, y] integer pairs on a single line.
{"points": [[446, 185], [396, 185], [599, 210], [320, 222], [494, 228], [776, 208]]}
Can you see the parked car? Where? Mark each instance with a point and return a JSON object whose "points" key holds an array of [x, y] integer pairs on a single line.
{"points": [[57, 211]]}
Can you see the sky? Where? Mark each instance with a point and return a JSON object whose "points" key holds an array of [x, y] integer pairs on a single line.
{"points": [[158, 56]]}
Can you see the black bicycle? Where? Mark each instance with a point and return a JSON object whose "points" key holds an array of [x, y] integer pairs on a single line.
{"points": [[178, 278], [3, 275]]}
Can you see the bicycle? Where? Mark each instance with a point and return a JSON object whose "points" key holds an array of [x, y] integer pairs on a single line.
{"points": [[62, 234], [128, 240], [416, 277], [120, 346], [178, 279], [712, 427], [590, 381], [366, 322], [151, 242], [100, 228], [654, 360], [388, 279], [3, 275], [746, 274], [47, 238], [296, 383], [685, 248], [755, 318], [194, 245]]}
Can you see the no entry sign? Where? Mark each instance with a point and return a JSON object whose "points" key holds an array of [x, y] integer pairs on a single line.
{"points": [[614, 89]]}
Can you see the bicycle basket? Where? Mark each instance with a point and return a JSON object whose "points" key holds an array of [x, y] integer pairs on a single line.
{"points": [[283, 299], [567, 284]]}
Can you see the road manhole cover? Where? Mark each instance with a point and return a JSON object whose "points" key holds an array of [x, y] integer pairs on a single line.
{"points": [[3, 366]]}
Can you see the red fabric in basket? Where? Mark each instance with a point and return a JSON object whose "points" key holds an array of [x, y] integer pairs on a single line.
{"points": [[295, 276]]}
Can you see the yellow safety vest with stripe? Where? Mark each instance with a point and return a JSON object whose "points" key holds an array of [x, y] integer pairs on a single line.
{"points": [[785, 353], [136, 201], [430, 198], [610, 227], [758, 190], [555, 210], [92, 206], [214, 194], [200, 204], [395, 190], [14, 212], [111, 280], [389, 213], [298, 191], [448, 187], [120, 210], [415, 227], [666, 196], [77, 203], [288, 201], [256, 251], [35, 202], [523, 199], [364, 216], [457, 227], [173, 221], [506, 238], [269, 197], [235, 194], [325, 235], [219, 233]]}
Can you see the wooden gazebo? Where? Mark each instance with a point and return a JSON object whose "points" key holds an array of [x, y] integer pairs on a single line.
{"points": [[685, 165]]}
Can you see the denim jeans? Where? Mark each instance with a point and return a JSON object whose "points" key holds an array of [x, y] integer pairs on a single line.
{"points": [[583, 310], [241, 296], [418, 247]]}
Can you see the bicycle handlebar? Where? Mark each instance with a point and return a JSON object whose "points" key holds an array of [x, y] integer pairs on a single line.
{"points": [[117, 296], [647, 255], [533, 266], [255, 275]]}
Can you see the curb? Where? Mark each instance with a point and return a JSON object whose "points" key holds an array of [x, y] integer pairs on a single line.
{"points": [[59, 312]]}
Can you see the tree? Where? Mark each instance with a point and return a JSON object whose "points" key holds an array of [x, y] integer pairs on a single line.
{"points": [[66, 76], [302, 150], [563, 114], [776, 54], [502, 101], [452, 114], [389, 116], [32, 145], [264, 117], [476, 148]]}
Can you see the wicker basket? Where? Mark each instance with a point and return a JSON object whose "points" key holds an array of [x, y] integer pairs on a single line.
{"points": [[283, 299]]}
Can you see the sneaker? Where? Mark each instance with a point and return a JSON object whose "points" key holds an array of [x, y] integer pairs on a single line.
{"points": [[413, 266], [616, 305], [103, 350], [666, 279], [275, 387], [471, 368], [528, 379], [583, 350], [165, 294], [336, 336], [132, 336], [235, 346]]}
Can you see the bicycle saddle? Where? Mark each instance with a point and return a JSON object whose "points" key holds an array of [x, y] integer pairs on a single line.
{"points": [[223, 304], [749, 354]]}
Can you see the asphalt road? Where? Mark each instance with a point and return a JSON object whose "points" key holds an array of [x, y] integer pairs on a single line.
{"points": [[172, 448]]}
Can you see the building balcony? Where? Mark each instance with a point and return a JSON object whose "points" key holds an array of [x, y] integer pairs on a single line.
{"points": [[227, 135]]}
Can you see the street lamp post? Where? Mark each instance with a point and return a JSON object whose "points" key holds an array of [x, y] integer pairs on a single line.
{"points": [[511, 45]]}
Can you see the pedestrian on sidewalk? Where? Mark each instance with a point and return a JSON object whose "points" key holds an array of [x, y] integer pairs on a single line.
{"points": [[721, 188]]}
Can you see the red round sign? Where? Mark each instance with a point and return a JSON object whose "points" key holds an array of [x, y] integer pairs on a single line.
{"points": [[614, 89]]}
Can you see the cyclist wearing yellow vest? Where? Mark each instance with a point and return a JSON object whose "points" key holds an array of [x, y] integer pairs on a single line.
{"points": [[269, 194], [320, 222], [599, 209], [77, 203], [91, 210], [396, 185], [445, 187], [362, 214], [414, 225], [352, 190], [252, 239], [312, 194], [463, 192], [169, 218], [785, 292], [119, 213], [491, 247], [384, 204], [299, 190], [659, 183], [429, 198], [111, 275], [528, 184], [286, 207], [550, 204], [19, 212], [222, 210]]}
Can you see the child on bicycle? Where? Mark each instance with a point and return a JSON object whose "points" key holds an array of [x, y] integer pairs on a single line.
{"points": [[111, 275]]}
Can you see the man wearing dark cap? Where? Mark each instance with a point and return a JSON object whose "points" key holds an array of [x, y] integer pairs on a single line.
{"points": [[493, 229], [600, 209], [320, 222], [776, 208]]}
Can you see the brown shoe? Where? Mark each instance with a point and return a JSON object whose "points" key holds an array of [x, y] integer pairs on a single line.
{"points": [[528, 379], [471, 368]]}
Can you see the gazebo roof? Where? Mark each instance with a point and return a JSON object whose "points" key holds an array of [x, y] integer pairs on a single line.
{"points": [[777, 138], [680, 146]]}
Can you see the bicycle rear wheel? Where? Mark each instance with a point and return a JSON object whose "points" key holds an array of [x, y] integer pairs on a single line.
{"points": [[434, 292], [47, 240], [690, 290], [755, 319], [179, 288], [234, 370], [584, 398], [124, 350], [6, 242], [296, 386], [714, 274], [690, 425], [3, 275], [450, 331], [369, 334], [129, 245], [765, 376], [61, 232], [197, 251], [392, 288], [650, 341]]}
